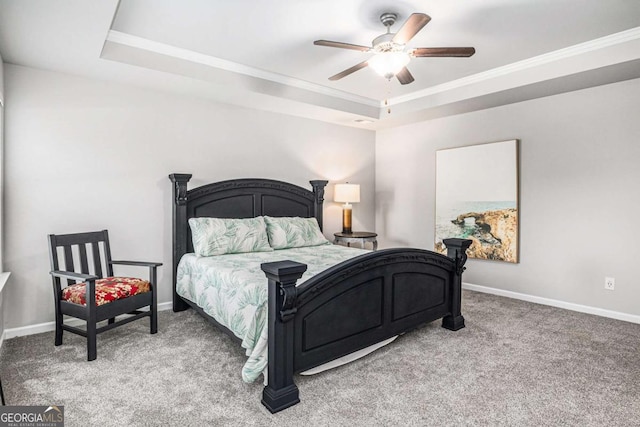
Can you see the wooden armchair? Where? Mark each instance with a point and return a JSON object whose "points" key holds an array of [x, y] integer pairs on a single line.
{"points": [[92, 296]]}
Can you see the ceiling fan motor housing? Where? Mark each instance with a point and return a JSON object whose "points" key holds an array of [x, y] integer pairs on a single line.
{"points": [[388, 19], [385, 43]]}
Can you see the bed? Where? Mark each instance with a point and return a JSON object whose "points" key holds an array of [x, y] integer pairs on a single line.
{"points": [[347, 307]]}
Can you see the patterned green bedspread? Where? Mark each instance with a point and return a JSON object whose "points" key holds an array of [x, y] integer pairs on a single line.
{"points": [[233, 290]]}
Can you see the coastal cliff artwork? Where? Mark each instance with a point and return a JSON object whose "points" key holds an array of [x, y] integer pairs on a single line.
{"points": [[477, 199]]}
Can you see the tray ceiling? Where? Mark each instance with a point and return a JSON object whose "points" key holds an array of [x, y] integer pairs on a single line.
{"points": [[261, 54]]}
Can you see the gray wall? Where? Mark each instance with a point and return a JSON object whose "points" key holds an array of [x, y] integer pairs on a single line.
{"points": [[84, 155], [579, 195]]}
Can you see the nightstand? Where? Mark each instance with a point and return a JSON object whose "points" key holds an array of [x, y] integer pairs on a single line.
{"points": [[361, 237]]}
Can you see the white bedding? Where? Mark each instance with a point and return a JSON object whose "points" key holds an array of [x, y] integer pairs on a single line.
{"points": [[233, 290]]}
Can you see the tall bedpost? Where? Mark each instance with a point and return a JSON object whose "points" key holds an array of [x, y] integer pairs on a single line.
{"points": [[457, 250], [281, 392], [318, 193], [179, 181]]}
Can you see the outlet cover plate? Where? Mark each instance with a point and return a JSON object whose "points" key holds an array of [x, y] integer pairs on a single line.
{"points": [[609, 283]]}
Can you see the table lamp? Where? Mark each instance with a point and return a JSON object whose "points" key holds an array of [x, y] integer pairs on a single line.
{"points": [[346, 193]]}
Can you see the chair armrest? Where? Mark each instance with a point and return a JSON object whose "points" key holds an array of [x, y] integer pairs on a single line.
{"points": [[139, 263], [89, 279], [73, 275], [153, 269]]}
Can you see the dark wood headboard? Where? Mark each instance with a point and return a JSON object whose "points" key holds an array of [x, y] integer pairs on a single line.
{"points": [[238, 198]]}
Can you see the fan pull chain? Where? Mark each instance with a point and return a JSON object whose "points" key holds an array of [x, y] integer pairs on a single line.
{"points": [[386, 101]]}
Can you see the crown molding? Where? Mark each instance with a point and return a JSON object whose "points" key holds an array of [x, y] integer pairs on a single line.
{"points": [[535, 61], [223, 64], [554, 60]]}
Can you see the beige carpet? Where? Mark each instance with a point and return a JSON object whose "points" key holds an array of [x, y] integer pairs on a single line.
{"points": [[516, 363]]}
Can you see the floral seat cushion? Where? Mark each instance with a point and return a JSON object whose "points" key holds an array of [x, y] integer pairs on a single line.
{"points": [[107, 290]]}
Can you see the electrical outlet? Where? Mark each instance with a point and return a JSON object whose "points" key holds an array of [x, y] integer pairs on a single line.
{"points": [[609, 283]]}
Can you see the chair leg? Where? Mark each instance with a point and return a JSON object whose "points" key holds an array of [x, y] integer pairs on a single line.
{"points": [[154, 304], [2, 394], [92, 352], [154, 319], [59, 330]]}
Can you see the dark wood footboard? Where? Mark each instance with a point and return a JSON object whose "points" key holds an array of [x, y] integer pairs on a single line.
{"points": [[353, 305]]}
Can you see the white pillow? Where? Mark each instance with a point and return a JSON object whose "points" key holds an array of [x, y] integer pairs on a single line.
{"points": [[218, 236], [293, 232]]}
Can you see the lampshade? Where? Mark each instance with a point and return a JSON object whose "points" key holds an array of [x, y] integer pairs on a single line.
{"points": [[346, 193], [388, 64]]}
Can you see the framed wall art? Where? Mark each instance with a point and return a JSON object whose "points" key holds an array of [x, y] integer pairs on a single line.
{"points": [[477, 199]]}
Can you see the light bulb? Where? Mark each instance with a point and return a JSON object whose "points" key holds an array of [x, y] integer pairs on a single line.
{"points": [[388, 64]]}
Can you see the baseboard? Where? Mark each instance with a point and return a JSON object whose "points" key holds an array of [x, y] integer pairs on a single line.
{"points": [[51, 326], [554, 303]]}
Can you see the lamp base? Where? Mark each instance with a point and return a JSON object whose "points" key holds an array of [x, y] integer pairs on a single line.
{"points": [[346, 220]]}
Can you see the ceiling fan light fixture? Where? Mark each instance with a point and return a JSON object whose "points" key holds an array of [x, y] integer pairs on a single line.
{"points": [[388, 64]]}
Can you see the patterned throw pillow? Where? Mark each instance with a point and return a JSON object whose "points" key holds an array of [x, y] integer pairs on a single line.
{"points": [[218, 236], [293, 232]]}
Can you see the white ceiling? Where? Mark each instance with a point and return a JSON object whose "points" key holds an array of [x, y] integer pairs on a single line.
{"points": [[260, 54]]}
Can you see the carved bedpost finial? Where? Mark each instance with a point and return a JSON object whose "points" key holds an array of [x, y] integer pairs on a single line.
{"points": [[285, 274], [181, 193], [180, 187], [457, 249], [318, 189], [318, 192]]}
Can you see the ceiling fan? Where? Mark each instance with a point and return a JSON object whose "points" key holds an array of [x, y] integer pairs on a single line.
{"points": [[391, 53]]}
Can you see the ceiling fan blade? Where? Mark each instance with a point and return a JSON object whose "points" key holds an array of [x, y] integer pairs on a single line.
{"points": [[348, 71], [421, 52], [410, 28], [341, 45], [404, 76]]}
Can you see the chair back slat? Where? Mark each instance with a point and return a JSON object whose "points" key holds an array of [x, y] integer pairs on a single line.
{"points": [[68, 261], [84, 266], [107, 254], [97, 264]]}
